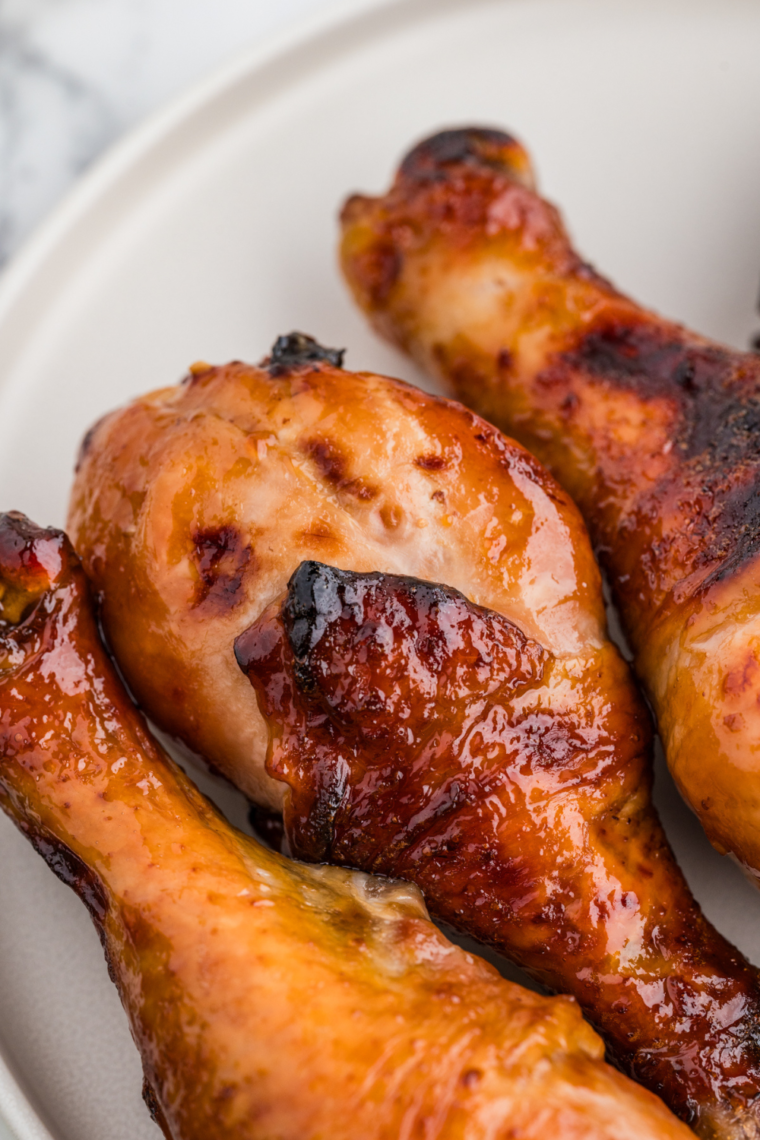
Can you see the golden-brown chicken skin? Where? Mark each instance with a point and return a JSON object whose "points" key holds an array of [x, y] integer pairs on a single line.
{"points": [[193, 507], [413, 733], [268, 999], [652, 429]]}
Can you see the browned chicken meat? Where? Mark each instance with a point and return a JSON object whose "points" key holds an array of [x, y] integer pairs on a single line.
{"points": [[501, 755], [267, 999], [413, 736], [654, 431]]}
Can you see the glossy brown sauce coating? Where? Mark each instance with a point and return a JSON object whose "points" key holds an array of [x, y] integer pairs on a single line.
{"points": [[465, 195], [411, 730], [268, 999], [193, 506], [652, 429]]}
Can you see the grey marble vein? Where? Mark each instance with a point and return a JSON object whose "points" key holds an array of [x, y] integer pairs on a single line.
{"points": [[75, 74], [52, 124]]}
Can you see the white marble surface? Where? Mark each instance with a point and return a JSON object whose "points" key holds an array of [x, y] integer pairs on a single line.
{"points": [[76, 74]]}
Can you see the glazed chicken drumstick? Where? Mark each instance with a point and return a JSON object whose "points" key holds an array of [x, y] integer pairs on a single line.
{"points": [[193, 507], [267, 999], [654, 431], [415, 737]]}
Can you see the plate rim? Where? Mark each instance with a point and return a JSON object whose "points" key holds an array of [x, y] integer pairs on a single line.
{"points": [[69, 220]]}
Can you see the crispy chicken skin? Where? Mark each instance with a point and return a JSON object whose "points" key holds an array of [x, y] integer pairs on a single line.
{"points": [[422, 737], [191, 510], [267, 999], [653, 430]]}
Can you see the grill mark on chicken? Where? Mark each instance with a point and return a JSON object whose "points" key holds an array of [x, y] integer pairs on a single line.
{"points": [[718, 402], [715, 434], [333, 464], [329, 458], [221, 558]]}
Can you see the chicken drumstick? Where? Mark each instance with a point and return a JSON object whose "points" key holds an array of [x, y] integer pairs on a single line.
{"points": [[417, 738], [266, 998], [654, 431]]}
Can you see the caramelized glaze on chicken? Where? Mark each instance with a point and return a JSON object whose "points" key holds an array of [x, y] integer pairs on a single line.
{"points": [[193, 507], [267, 999], [415, 737], [653, 430]]}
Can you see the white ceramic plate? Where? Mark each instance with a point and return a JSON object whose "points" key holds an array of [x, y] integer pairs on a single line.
{"points": [[213, 230]]}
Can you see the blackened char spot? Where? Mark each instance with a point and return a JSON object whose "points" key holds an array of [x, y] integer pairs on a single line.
{"points": [[221, 557], [736, 529], [479, 145], [715, 394], [72, 871], [314, 600], [636, 356], [716, 390], [318, 595], [296, 349]]}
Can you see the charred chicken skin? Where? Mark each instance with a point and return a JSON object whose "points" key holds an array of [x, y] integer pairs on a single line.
{"points": [[654, 431], [267, 999], [414, 733], [193, 507]]}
